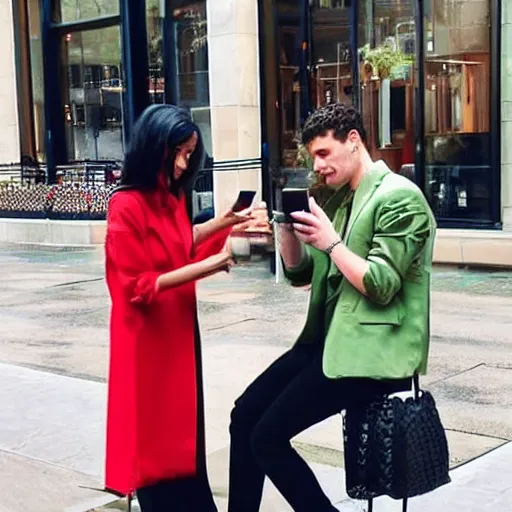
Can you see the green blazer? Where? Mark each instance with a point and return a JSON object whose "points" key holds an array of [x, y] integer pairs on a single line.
{"points": [[386, 333]]}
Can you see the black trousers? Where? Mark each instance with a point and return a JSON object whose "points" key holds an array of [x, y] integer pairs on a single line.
{"points": [[192, 494], [179, 495], [290, 396]]}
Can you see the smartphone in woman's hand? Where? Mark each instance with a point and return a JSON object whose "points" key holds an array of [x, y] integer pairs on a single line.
{"points": [[244, 200]]}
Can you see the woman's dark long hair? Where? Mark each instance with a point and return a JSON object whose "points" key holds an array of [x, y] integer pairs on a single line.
{"points": [[155, 137]]}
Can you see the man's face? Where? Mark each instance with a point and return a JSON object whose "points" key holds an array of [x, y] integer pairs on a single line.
{"points": [[336, 162]]}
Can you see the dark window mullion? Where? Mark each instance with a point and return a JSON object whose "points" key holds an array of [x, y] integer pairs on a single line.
{"points": [[135, 62], [495, 112], [419, 97], [354, 53], [56, 153]]}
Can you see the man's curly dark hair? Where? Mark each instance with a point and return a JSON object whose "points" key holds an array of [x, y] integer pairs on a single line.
{"points": [[339, 118]]}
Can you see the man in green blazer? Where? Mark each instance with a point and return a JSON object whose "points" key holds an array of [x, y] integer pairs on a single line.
{"points": [[367, 254]]}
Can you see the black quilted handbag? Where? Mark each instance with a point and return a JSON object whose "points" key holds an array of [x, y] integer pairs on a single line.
{"points": [[395, 447]]}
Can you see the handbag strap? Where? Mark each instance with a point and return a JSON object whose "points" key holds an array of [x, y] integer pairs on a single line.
{"points": [[416, 385]]}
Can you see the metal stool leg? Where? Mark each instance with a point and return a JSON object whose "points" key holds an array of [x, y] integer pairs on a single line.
{"points": [[370, 505], [129, 499], [404, 505]]}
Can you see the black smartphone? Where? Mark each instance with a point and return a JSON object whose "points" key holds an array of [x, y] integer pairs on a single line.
{"points": [[295, 200], [244, 200]]}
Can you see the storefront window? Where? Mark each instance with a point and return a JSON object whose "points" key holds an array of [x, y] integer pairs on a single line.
{"points": [[457, 109], [387, 46], [36, 63], [93, 90], [75, 10]]}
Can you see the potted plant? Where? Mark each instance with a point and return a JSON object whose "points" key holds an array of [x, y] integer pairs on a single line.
{"points": [[383, 60]]}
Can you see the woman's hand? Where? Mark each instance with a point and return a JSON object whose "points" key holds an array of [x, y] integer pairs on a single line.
{"points": [[315, 228], [231, 218], [228, 219], [221, 262]]}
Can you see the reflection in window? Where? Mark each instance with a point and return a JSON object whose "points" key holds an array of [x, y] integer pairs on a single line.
{"points": [[74, 10], [387, 51], [289, 80], [192, 48], [154, 20], [457, 109], [457, 96], [457, 68], [331, 4], [190, 29], [36, 62], [332, 77], [290, 92], [93, 107]]}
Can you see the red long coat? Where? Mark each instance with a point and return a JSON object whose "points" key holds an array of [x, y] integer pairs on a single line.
{"points": [[152, 393]]}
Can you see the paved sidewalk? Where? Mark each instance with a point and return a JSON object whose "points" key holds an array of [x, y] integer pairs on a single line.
{"points": [[54, 355], [51, 456]]}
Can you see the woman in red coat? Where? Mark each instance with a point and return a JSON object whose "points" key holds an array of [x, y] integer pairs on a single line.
{"points": [[155, 424]]}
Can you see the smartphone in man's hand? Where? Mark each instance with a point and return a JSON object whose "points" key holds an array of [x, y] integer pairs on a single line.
{"points": [[244, 200], [294, 200]]}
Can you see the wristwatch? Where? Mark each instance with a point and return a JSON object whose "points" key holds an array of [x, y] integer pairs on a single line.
{"points": [[332, 246]]}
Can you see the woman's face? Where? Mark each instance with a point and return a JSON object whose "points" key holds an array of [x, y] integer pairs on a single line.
{"points": [[183, 153]]}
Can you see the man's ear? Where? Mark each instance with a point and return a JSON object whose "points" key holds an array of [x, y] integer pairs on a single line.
{"points": [[353, 136]]}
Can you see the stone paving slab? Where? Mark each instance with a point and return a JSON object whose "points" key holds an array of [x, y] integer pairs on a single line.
{"points": [[478, 401], [29, 485], [53, 418]]}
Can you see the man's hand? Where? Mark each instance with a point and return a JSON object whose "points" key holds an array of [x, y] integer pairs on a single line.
{"points": [[315, 228]]}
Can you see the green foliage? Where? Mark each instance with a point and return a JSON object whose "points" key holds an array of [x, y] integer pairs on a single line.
{"points": [[384, 58]]}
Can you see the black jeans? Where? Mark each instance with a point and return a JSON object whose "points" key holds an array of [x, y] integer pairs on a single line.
{"points": [[290, 396]]}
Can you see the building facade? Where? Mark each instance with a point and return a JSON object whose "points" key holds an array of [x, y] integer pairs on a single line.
{"points": [[432, 79]]}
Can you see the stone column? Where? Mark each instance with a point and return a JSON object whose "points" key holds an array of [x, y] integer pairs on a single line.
{"points": [[234, 93], [506, 114], [9, 139]]}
